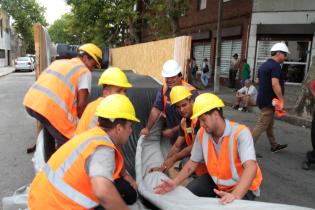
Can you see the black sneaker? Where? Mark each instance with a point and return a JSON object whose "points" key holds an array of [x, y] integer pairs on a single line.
{"points": [[236, 107], [306, 165], [259, 155], [244, 109], [278, 148]]}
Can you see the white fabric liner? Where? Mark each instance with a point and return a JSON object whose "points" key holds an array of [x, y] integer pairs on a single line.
{"points": [[150, 153]]}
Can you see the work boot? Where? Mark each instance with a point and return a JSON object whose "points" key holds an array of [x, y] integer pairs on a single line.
{"points": [[278, 148]]}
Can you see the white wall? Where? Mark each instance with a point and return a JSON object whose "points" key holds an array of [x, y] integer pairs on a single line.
{"points": [[283, 5], [5, 45]]}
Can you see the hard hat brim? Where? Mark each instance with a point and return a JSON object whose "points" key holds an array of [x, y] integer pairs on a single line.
{"points": [[175, 73], [204, 110], [111, 82]]}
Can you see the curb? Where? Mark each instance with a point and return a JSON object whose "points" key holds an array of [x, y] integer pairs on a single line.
{"points": [[6, 72]]}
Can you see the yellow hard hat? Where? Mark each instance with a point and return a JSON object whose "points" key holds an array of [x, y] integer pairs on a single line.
{"points": [[204, 103], [114, 76], [179, 93], [93, 51], [116, 106]]}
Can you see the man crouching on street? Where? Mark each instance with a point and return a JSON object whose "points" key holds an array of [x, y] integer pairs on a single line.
{"points": [[86, 172], [227, 149]]}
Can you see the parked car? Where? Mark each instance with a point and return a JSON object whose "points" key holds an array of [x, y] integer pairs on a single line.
{"points": [[33, 57], [24, 64]]}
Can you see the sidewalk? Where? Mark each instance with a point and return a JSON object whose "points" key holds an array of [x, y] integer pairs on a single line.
{"points": [[228, 96], [6, 70]]}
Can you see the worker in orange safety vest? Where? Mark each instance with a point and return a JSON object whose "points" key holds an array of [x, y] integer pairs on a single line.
{"points": [[85, 173], [180, 151], [227, 148], [59, 96], [113, 81], [162, 107]]}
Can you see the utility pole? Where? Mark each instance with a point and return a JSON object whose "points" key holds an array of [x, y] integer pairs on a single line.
{"points": [[216, 86]]}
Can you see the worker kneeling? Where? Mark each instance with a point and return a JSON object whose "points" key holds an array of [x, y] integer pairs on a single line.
{"points": [[86, 171], [181, 98], [113, 81], [227, 149]]}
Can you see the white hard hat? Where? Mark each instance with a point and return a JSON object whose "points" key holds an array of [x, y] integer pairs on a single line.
{"points": [[171, 68], [280, 47]]}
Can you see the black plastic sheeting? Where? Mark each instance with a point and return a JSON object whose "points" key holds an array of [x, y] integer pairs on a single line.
{"points": [[142, 95]]}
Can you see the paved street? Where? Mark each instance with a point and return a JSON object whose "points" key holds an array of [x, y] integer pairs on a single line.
{"points": [[17, 131], [284, 181]]}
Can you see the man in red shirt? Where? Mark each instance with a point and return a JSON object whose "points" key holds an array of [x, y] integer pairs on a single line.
{"points": [[310, 155]]}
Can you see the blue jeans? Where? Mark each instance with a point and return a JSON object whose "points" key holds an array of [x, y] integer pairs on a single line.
{"points": [[204, 80]]}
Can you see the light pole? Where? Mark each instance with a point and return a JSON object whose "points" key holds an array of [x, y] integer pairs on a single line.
{"points": [[216, 86]]}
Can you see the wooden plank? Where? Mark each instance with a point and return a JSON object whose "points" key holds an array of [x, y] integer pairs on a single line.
{"points": [[148, 58]]}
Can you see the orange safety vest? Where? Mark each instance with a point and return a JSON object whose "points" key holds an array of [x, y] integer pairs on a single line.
{"points": [[88, 119], [165, 97], [54, 94], [201, 169], [63, 183], [226, 169]]}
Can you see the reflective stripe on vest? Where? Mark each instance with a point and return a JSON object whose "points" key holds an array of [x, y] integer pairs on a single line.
{"points": [[88, 119], [164, 89], [66, 80], [189, 140], [236, 129], [93, 122], [57, 100], [55, 178], [67, 190]]}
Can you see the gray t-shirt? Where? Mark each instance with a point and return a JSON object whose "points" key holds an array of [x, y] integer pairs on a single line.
{"points": [[101, 163], [245, 145]]}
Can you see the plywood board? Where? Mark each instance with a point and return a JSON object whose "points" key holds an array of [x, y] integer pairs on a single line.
{"points": [[148, 58]]}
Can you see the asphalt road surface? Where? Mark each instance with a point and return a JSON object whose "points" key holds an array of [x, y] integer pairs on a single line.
{"points": [[284, 180]]}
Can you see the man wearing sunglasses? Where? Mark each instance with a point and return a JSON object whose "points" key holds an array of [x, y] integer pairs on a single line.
{"points": [[271, 85]]}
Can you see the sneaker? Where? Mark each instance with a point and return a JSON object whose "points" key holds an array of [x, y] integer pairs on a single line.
{"points": [[306, 165], [278, 148], [236, 107], [240, 109], [259, 155], [244, 109]]}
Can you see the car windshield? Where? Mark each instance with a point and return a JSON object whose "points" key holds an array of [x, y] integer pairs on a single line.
{"points": [[23, 59]]}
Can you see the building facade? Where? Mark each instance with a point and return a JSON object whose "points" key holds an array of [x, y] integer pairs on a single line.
{"points": [[5, 48], [289, 21], [200, 22]]}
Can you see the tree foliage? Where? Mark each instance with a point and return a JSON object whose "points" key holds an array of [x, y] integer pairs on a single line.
{"points": [[61, 31], [25, 13], [118, 22]]}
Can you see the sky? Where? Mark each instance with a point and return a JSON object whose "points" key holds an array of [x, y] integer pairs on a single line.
{"points": [[54, 9]]}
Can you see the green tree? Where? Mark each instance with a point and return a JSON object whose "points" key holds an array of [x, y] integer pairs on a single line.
{"points": [[118, 22], [25, 13], [105, 22], [62, 31]]}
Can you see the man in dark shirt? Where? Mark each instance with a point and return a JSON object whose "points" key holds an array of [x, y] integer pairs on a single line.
{"points": [[181, 98], [271, 85], [173, 77]]}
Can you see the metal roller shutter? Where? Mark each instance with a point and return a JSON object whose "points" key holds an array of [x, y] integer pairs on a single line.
{"points": [[228, 49], [201, 51]]}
